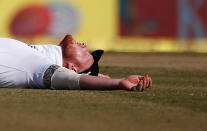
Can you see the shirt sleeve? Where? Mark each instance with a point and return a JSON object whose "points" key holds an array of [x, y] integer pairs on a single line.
{"points": [[52, 51]]}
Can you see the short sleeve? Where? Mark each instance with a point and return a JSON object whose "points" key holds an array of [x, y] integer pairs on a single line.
{"points": [[52, 51]]}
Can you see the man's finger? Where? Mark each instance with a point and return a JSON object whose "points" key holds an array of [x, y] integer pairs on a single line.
{"points": [[144, 83], [140, 85], [150, 81]]}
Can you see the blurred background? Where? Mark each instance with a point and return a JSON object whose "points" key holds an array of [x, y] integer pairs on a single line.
{"points": [[112, 25]]}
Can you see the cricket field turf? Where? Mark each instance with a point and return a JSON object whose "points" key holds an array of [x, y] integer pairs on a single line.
{"points": [[176, 102]]}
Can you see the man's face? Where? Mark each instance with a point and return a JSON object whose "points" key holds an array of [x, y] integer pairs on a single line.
{"points": [[75, 53]]}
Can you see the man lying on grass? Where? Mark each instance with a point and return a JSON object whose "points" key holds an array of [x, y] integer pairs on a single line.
{"points": [[67, 66]]}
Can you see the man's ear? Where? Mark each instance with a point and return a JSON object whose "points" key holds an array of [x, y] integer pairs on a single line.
{"points": [[71, 66]]}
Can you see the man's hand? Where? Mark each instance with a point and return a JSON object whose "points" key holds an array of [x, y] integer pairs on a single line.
{"points": [[136, 81]]}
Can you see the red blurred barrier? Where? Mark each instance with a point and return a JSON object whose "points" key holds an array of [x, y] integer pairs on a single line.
{"points": [[164, 18]]}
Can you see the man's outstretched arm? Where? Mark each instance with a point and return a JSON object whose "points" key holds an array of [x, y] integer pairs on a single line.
{"points": [[98, 83], [129, 83], [68, 79]]}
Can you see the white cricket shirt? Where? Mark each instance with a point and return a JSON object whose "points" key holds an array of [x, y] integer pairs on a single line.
{"points": [[23, 66]]}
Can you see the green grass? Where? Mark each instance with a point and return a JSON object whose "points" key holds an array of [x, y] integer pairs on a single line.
{"points": [[177, 101]]}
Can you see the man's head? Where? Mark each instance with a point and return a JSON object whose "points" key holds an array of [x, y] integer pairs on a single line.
{"points": [[75, 55]]}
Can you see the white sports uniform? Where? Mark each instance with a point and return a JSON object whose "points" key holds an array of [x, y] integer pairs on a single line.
{"points": [[23, 66]]}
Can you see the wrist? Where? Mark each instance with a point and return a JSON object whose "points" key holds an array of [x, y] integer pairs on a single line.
{"points": [[120, 84]]}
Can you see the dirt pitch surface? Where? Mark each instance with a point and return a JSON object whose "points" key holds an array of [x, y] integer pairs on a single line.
{"points": [[177, 100]]}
